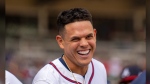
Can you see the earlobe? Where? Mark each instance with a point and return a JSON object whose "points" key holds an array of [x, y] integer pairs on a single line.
{"points": [[60, 41]]}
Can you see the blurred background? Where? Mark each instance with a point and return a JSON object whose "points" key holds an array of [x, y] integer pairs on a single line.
{"points": [[31, 29]]}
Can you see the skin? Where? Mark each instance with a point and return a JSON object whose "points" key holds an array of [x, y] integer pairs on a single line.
{"points": [[79, 37]]}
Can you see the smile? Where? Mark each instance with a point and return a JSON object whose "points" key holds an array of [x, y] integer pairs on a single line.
{"points": [[83, 52]]}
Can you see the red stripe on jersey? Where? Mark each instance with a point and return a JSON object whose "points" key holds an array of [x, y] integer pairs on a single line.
{"points": [[63, 75], [71, 79], [92, 73]]}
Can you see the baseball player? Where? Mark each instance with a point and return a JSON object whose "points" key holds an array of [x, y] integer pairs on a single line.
{"points": [[77, 38], [10, 78]]}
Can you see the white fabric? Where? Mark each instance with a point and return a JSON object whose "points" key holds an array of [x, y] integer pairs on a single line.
{"points": [[125, 73], [49, 75], [10, 78]]}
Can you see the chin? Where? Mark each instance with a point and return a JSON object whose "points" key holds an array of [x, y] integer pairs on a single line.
{"points": [[85, 63]]}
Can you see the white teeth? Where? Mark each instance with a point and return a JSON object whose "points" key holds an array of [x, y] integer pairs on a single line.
{"points": [[83, 52]]}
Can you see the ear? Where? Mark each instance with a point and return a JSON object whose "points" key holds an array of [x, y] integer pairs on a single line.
{"points": [[60, 41], [95, 31]]}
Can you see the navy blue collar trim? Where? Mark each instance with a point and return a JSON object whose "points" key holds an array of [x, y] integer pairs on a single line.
{"points": [[63, 62]]}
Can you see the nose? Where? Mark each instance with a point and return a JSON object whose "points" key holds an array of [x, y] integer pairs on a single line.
{"points": [[83, 43]]}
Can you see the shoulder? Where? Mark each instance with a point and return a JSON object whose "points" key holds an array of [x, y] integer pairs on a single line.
{"points": [[99, 66], [45, 71], [140, 79], [10, 78], [97, 63], [46, 74], [100, 74]]}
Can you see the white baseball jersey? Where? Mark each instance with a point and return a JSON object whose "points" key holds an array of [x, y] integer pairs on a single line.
{"points": [[57, 73], [10, 78]]}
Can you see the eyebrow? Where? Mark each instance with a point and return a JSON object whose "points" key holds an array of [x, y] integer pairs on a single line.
{"points": [[90, 34], [79, 37]]}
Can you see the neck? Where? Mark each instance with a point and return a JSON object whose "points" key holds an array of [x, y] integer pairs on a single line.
{"points": [[74, 68]]}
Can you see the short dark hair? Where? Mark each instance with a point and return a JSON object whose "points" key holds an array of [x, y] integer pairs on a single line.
{"points": [[72, 15]]}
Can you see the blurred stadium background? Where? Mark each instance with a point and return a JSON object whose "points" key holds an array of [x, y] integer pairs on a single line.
{"points": [[31, 29]]}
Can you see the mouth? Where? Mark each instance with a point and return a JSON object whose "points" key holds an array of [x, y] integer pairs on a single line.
{"points": [[83, 52]]}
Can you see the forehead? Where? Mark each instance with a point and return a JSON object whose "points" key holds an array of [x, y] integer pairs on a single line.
{"points": [[79, 28]]}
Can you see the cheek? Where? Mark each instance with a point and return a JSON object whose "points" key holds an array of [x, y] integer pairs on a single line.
{"points": [[92, 43], [72, 47]]}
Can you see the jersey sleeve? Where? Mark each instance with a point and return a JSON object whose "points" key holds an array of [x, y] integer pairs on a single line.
{"points": [[41, 82], [10, 78], [100, 71]]}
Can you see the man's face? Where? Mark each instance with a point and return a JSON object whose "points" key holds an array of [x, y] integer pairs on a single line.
{"points": [[79, 42]]}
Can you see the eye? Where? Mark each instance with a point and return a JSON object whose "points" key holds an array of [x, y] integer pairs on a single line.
{"points": [[89, 37], [75, 39]]}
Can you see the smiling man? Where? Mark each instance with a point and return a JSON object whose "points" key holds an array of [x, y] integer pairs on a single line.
{"points": [[77, 38]]}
